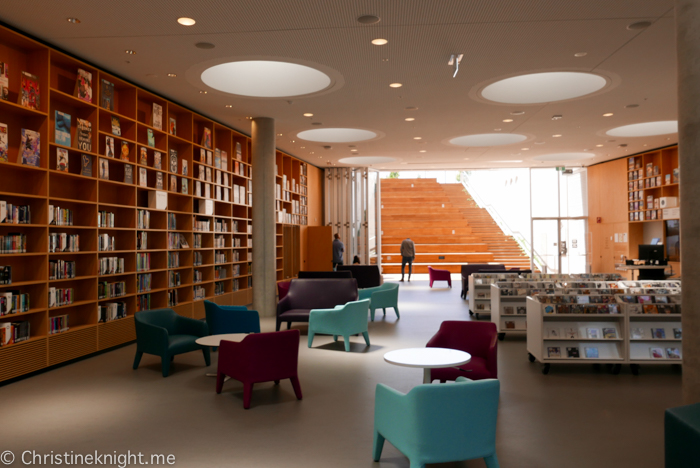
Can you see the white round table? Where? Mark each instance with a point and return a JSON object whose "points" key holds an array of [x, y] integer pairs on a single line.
{"points": [[427, 358], [215, 340]]}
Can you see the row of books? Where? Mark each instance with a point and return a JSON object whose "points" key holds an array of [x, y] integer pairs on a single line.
{"points": [[14, 332], [61, 269], [197, 259], [60, 216], [172, 221], [13, 302], [174, 279], [64, 242], [111, 265], [61, 296], [58, 324], [145, 282], [108, 311], [176, 241], [220, 273], [646, 215], [287, 218], [5, 274], [107, 290], [219, 289], [582, 309], [198, 277], [202, 224], [573, 332], [173, 298], [220, 257], [13, 243], [219, 242], [237, 242], [173, 259], [142, 240], [106, 243], [143, 302], [641, 309], [199, 293], [143, 261], [15, 214], [105, 219], [143, 219], [590, 352]]}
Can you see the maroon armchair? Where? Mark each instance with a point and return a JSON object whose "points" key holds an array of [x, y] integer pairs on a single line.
{"points": [[476, 338], [307, 294], [260, 357], [439, 275]]}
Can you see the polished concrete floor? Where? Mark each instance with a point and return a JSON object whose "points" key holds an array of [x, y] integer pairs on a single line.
{"points": [[577, 416]]}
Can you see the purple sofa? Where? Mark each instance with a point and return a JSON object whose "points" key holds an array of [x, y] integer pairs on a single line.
{"points": [[307, 294]]}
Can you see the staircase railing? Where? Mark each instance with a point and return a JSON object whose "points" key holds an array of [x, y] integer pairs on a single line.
{"points": [[522, 241]]}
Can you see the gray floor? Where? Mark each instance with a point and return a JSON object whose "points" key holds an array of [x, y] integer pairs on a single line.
{"points": [[576, 416]]}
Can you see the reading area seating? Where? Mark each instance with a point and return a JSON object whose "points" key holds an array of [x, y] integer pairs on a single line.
{"points": [[307, 294]]}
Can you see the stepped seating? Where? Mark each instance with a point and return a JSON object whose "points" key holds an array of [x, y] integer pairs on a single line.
{"points": [[446, 225]]}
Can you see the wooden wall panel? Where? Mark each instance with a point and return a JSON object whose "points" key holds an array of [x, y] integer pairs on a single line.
{"points": [[320, 248], [23, 358], [71, 345], [315, 207], [115, 333]]}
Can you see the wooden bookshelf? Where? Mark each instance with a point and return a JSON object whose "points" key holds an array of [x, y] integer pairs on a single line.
{"points": [[217, 267], [292, 210]]}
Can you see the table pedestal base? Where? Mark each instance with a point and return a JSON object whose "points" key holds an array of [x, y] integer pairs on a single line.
{"points": [[426, 376]]}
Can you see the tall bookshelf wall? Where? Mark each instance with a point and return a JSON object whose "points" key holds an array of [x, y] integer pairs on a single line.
{"points": [[212, 263], [292, 193]]}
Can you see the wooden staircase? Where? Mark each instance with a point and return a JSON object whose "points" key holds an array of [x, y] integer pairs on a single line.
{"points": [[446, 225]]}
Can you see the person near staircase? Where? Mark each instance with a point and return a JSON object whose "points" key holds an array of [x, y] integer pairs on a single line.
{"points": [[338, 251], [408, 253]]}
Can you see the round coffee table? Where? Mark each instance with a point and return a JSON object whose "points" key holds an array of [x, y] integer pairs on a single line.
{"points": [[215, 340], [427, 358]]}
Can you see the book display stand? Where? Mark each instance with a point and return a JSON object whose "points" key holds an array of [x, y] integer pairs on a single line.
{"points": [[480, 290]]}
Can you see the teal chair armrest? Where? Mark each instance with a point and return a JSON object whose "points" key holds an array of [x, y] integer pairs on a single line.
{"points": [[393, 416], [364, 294]]}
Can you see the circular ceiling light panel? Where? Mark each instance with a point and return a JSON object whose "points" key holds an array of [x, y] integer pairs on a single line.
{"points": [[538, 88], [336, 135], [488, 139], [663, 127], [366, 160], [264, 78], [564, 157]]}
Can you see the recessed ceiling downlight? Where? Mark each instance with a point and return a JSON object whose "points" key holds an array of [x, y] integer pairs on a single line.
{"points": [[488, 139], [336, 135], [543, 87], [663, 127], [263, 78], [564, 157], [366, 160]]}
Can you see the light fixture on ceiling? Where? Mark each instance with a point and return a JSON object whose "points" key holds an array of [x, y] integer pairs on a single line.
{"points": [[366, 160], [422, 151], [599, 146], [638, 25], [557, 117], [130, 52], [517, 112], [204, 45], [536, 88], [524, 149], [316, 123], [172, 75], [455, 60], [564, 157], [507, 120], [417, 138], [308, 114], [664, 127], [73, 20], [368, 19], [186, 21], [303, 147], [337, 135], [395, 85], [496, 129], [580, 54], [280, 134], [631, 106], [556, 136], [203, 92], [353, 150], [379, 41], [539, 142], [608, 114], [488, 139], [411, 108], [510, 161], [228, 106], [409, 119], [249, 118], [466, 159]]}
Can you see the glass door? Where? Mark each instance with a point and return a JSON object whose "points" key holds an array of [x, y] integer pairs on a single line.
{"points": [[559, 244], [572, 249], [545, 244]]}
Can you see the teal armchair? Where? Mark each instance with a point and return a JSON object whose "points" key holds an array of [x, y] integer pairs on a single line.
{"points": [[386, 295], [343, 320], [439, 423], [164, 333]]}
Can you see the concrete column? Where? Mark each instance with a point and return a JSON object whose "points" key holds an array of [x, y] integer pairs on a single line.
{"points": [[264, 227], [688, 49]]}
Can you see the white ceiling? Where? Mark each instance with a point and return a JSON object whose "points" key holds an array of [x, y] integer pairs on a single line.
{"points": [[499, 39]]}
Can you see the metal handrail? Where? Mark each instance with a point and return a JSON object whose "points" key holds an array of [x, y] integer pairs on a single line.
{"points": [[516, 235]]}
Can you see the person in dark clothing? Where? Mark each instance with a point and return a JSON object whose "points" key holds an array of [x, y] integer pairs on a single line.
{"points": [[338, 251]]}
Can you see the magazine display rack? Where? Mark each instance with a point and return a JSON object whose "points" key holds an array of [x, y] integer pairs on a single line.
{"points": [[480, 290]]}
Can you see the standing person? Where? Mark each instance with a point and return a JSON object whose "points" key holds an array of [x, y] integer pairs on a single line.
{"points": [[338, 251], [408, 253]]}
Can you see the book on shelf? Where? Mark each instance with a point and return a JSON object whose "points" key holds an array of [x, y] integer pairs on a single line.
{"points": [[637, 333], [30, 94], [510, 325], [173, 161], [202, 155], [184, 186], [173, 126], [62, 128], [206, 138], [151, 138], [508, 310], [239, 152], [224, 160], [104, 169], [197, 188], [210, 160], [109, 147], [83, 86], [143, 156], [553, 333], [673, 353], [591, 352], [184, 167], [157, 116], [159, 181], [519, 310], [217, 158], [570, 333], [106, 94], [84, 133], [62, 159], [650, 309], [30, 148], [3, 142], [676, 175], [157, 160], [553, 352], [593, 333], [4, 81], [124, 153], [128, 174], [572, 352], [6, 274], [658, 333], [173, 183], [116, 126], [610, 333], [677, 333], [656, 353], [86, 165]]}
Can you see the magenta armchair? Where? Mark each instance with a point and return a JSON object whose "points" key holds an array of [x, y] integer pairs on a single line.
{"points": [[479, 339], [439, 275], [260, 357]]}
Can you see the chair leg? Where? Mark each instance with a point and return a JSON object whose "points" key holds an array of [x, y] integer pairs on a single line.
{"points": [[396, 309], [137, 359], [346, 340], [207, 355], [247, 394], [491, 461], [277, 327], [384, 310], [378, 446], [277, 382], [220, 379], [311, 337], [165, 365], [371, 314], [366, 335], [289, 325], [335, 337], [296, 386]]}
